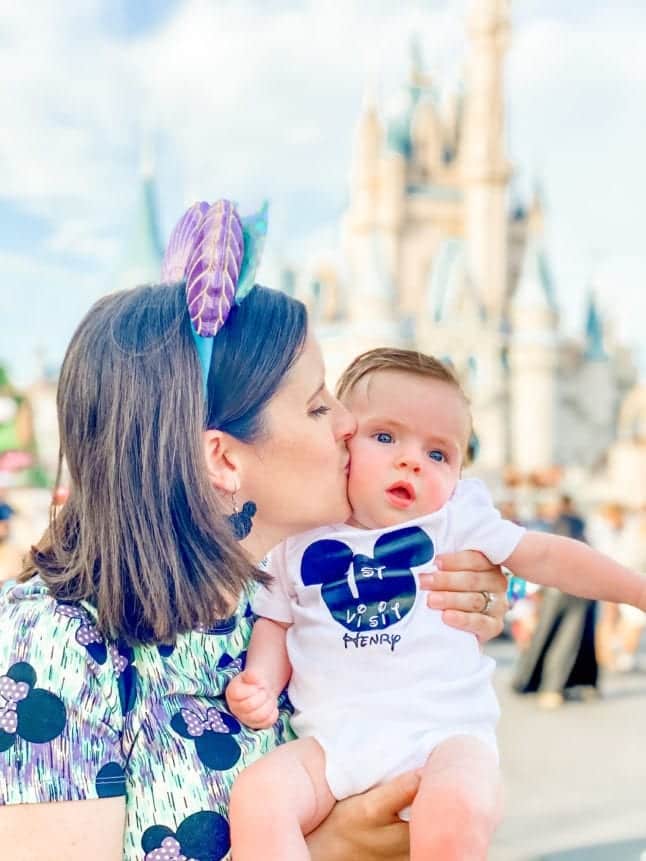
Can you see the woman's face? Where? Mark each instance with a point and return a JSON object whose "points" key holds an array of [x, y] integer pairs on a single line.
{"points": [[297, 472]]}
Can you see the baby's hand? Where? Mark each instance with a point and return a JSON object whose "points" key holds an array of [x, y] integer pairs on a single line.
{"points": [[251, 701]]}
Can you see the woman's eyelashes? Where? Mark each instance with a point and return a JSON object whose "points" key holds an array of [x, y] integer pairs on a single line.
{"points": [[320, 411]]}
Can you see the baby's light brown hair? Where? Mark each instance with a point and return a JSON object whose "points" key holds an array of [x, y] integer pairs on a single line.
{"points": [[406, 361]]}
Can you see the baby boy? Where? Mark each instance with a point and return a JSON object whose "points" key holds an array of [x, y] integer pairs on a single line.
{"points": [[379, 683]]}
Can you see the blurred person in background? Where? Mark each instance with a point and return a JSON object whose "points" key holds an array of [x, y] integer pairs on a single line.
{"points": [[620, 628], [9, 553], [560, 655]]}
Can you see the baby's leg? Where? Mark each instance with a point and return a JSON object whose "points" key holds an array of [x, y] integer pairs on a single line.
{"points": [[277, 800], [459, 802]]}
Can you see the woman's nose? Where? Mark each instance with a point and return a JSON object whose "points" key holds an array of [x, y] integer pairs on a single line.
{"points": [[345, 424]]}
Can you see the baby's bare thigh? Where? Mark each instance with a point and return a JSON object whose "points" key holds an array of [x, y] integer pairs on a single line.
{"points": [[459, 802], [464, 769], [291, 777]]}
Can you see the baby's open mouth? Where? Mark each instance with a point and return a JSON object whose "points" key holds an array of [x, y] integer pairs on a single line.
{"points": [[401, 494]]}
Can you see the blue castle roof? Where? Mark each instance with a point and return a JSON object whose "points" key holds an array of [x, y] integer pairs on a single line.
{"points": [[594, 349]]}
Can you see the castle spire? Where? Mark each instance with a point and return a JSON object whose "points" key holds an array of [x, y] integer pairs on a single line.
{"points": [[534, 298], [364, 175], [594, 348], [533, 363], [485, 167], [537, 208], [144, 249]]}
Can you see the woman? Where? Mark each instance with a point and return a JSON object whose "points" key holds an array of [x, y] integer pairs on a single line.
{"points": [[132, 614]]}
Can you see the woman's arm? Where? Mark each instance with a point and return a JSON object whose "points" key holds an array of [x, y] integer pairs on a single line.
{"points": [[456, 588], [73, 830], [367, 827]]}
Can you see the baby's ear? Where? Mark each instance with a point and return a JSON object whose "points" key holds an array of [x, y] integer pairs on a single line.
{"points": [[404, 548], [324, 562]]}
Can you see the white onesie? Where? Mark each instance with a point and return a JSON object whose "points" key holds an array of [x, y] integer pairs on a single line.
{"points": [[377, 678]]}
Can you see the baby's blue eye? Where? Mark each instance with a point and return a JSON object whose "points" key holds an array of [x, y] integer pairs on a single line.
{"points": [[437, 455], [384, 437]]}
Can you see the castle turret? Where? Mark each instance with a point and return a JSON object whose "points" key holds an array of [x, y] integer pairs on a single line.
{"points": [[596, 390], [364, 174], [426, 132], [627, 457], [483, 160], [452, 119], [144, 249], [395, 159], [532, 363], [594, 347], [428, 142], [376, 211]]}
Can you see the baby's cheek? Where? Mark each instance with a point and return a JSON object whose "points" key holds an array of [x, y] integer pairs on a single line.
{"points": [[359, 486]]}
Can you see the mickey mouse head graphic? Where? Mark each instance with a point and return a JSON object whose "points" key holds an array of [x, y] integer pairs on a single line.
{"points": [[212, 731], [32, 713], [203, 836], [87, 634], [363, 592]]}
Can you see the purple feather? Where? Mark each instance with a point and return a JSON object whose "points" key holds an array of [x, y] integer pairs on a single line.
{"points": [[213, 268], [181, 243]]}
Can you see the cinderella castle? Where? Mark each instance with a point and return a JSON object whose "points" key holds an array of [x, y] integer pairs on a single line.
{"points": [[437, 256]]}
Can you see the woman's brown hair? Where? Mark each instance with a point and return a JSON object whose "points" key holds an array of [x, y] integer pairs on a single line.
{"points": [[142, 535]]}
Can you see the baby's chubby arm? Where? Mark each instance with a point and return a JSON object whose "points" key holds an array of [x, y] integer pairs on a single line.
{"points": [[253, 694], [576, 568]]}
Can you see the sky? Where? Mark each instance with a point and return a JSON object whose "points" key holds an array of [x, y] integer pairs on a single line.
{"points": [[259, 98]]}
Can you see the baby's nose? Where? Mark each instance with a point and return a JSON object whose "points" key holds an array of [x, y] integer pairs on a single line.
{"points": [[409, 461]]}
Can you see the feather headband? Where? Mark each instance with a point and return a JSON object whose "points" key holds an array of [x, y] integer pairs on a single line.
{"points": [[217, 254]]}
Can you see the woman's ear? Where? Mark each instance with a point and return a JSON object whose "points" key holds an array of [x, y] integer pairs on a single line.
{"points": [[222, 464]]}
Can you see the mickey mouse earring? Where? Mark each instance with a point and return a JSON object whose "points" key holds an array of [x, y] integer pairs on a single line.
{"points": [[241, 520]]}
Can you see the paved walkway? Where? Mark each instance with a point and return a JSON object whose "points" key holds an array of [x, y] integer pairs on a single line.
{"points": [[575, 778]]}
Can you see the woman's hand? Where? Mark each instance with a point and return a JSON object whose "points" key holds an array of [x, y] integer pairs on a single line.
{"points": [[366, 827], [457, 589], [70, 830]]}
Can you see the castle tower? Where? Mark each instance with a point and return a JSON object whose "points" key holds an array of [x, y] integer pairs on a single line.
{"points": [[364, 173], [532, 361], [485, 169], [627, 457], [144, 248], [372, 222], [596, 390], [426, 132]]}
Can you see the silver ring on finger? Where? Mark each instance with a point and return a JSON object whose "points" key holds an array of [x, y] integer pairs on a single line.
{"points": [[488, 601]]}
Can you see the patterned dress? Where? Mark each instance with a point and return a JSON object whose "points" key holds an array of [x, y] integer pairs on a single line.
{"points": [[81, 718]]}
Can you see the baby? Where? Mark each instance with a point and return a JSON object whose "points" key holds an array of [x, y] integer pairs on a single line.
{"points": [[379, 683]]}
